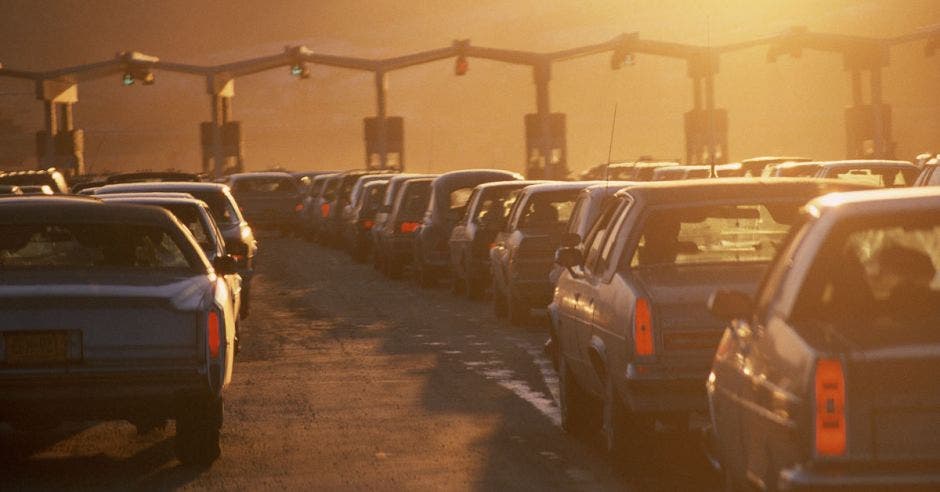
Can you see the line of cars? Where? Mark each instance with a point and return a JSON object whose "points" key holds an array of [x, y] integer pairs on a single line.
{"points": [[798, 314], [124, 301]]}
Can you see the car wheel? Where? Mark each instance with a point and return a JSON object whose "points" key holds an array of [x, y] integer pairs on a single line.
{"points": [[197, 432], [499, 301], [517, 309], [575, 403], [622, 431]]}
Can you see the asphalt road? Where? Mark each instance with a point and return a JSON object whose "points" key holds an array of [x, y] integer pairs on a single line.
{"points": [[349, 381]]}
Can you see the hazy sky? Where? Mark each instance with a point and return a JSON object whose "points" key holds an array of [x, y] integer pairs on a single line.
{"points": [[794, 106]]}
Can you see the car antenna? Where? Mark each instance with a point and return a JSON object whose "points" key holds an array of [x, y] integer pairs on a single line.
{"points": [[610, 149]]}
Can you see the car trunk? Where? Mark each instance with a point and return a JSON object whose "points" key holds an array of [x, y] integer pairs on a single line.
{"points": [[678, 296], [97, 324], [262, 208]]}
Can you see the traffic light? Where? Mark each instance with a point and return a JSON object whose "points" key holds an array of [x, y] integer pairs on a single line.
{"points": [[300, 70], [135, 74], [462, 65]]}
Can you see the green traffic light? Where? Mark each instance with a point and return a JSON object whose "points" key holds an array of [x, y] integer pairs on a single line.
{"points": [[296, 70], [128, 79]]}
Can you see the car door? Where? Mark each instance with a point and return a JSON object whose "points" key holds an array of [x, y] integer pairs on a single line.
{"points": [[460, 237], [499, 253]]}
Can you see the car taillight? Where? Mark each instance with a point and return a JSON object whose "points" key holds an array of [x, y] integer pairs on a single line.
{"points": [[367, 224], [214, 334], [830, 408], [325, 210], [299, 207], [643, 328], [408, 227]]}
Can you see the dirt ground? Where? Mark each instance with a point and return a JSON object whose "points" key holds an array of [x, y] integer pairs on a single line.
{"points": [[349, 381]]}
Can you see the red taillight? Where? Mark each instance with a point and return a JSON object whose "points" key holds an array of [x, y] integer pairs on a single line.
{"points": [[214, 334], [643, 328], [367, 224], [299, 207], [325, 210], [830, 408], [408, 227]]}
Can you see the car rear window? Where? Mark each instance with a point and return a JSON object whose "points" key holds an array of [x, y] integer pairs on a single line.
{"points": [[265, 185], [876, 176], [549, 211], [748, 232], [93, 246], [221, 206], [877, 283]]}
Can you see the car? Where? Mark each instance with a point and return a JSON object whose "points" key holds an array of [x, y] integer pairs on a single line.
{"points": [[239, 237], [470, 241], [349, 225], [873, 172], [826, 378], [668, 173], [269, 200], [310, 215], [754, 167], [10, 190], [630, 328], [336, 196], [50, 177], [395, 243], [593, 201], [359, 229], [391, 191], [79, 277], [625, 171], [928, 174], [152, 176], [448, 201], [522, 253], [197, 218], [36, 190]]}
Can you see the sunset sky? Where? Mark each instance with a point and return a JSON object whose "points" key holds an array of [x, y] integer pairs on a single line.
{"points": [[794, 106]]}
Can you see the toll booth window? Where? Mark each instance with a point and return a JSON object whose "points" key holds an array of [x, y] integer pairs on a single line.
{"points": [[714, 234]]}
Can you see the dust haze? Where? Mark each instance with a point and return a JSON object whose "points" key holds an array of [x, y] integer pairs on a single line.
{"points": [[793, 106]]}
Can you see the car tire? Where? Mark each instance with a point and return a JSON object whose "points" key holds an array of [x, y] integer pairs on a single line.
{"points": [[517, 309], [198, 432], [499, 301], [574, 402], [622, 431]]}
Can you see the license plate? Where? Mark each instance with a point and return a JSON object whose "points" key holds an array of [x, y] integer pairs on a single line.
{"points": [[39, 347]]}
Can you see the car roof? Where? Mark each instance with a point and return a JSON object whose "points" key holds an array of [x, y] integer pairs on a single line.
{"points": [[183, 187], [559, 186], [519, 183], [260, 174], [458, 176], [864, 162], [877, 199], [73, 209], [774, 159], [715, 189], [151, 175], [154, 199]]}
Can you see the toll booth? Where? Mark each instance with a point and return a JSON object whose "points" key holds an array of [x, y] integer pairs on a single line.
{"points": [[232, 148], [68, 147], [860, 131], [556, 147], [394, 143], [702, 126]]}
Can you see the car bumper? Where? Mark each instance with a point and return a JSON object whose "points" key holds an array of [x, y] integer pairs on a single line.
{"points": [[652, 389], [400, 248], [111, 395], [923, 476]]}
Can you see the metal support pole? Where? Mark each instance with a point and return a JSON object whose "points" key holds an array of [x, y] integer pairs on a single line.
{"points": [[881, 150], [52, 128], [542, 74], [382, 129], [692, 155], [857, 88], [710, 114], [67, 123], [218, 157]]}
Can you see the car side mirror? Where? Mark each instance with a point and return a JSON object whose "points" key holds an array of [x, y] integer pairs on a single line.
{"points": [[729, 304], [225, 265], [569, 258], [570, 240]]}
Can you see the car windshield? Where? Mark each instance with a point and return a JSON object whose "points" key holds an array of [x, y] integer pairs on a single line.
{"points": [[749, 232], [877, 284], [91, 246]]}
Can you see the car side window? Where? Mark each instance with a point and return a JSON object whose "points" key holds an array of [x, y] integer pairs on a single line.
{"points": [[779, 269], [617, 234], [515, 201], [598, 235], [472, 205]]}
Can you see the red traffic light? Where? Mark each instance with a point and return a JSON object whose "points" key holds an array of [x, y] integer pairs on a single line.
{"points": [[462, 65]]}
